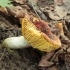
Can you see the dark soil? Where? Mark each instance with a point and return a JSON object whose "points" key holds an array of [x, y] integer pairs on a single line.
{"points": [[23, 59]]}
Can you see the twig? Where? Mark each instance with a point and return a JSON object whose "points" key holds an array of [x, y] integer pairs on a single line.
{"points": [[32, 3], [55, 55]]}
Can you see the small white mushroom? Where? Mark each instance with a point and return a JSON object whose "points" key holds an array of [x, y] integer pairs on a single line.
{"points": [[15, 42]]}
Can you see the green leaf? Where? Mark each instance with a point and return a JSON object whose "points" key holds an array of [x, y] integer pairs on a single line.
{"points": [[6, 3]]}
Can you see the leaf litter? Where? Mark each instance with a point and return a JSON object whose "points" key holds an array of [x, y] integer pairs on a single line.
{"points": [[49, 11]]}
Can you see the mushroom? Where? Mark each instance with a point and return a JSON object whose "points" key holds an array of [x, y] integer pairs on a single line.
{"points": [[38, 35]]}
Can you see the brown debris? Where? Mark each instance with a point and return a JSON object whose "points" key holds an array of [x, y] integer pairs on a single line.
{"points": [[17, 11], [44, 60], [45, 64], [53, 68], [59, 2], [33, 4], [20, 1], [55, 12]]}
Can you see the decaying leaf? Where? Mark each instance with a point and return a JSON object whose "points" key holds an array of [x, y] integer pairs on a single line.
{"points": [[38, 12], [60, 10], [68, 50], [50, 68], [60, 26], [58, 2], [67, 61], [53, 68], [17, 11], [4, 10], [20, 1], [44, 60], [52, 15], [45, 63]]}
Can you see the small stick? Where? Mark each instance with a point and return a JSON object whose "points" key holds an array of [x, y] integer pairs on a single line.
{"points": [[32, 3]]}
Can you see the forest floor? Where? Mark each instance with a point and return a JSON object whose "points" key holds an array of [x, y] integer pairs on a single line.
{"points": [[25, 59]]}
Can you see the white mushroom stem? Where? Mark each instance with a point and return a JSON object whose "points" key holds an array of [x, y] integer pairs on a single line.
{"points": [[15, 42]]}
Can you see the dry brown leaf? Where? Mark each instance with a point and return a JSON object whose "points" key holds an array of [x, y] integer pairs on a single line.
{"points": [[59, 2], [67, 18], [60, 27], [4, 10], [17, 11], [67, 57], [44, 60], [20, 1], [67, 61], [52, 68], [48, 55], [49, 68], [45, 64], [68, 50], [52, 15], [38, 12], [61, 10], [67, 5]]}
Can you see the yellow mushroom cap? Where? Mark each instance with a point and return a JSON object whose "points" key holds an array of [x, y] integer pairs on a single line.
{"points": [[37, 39]]}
